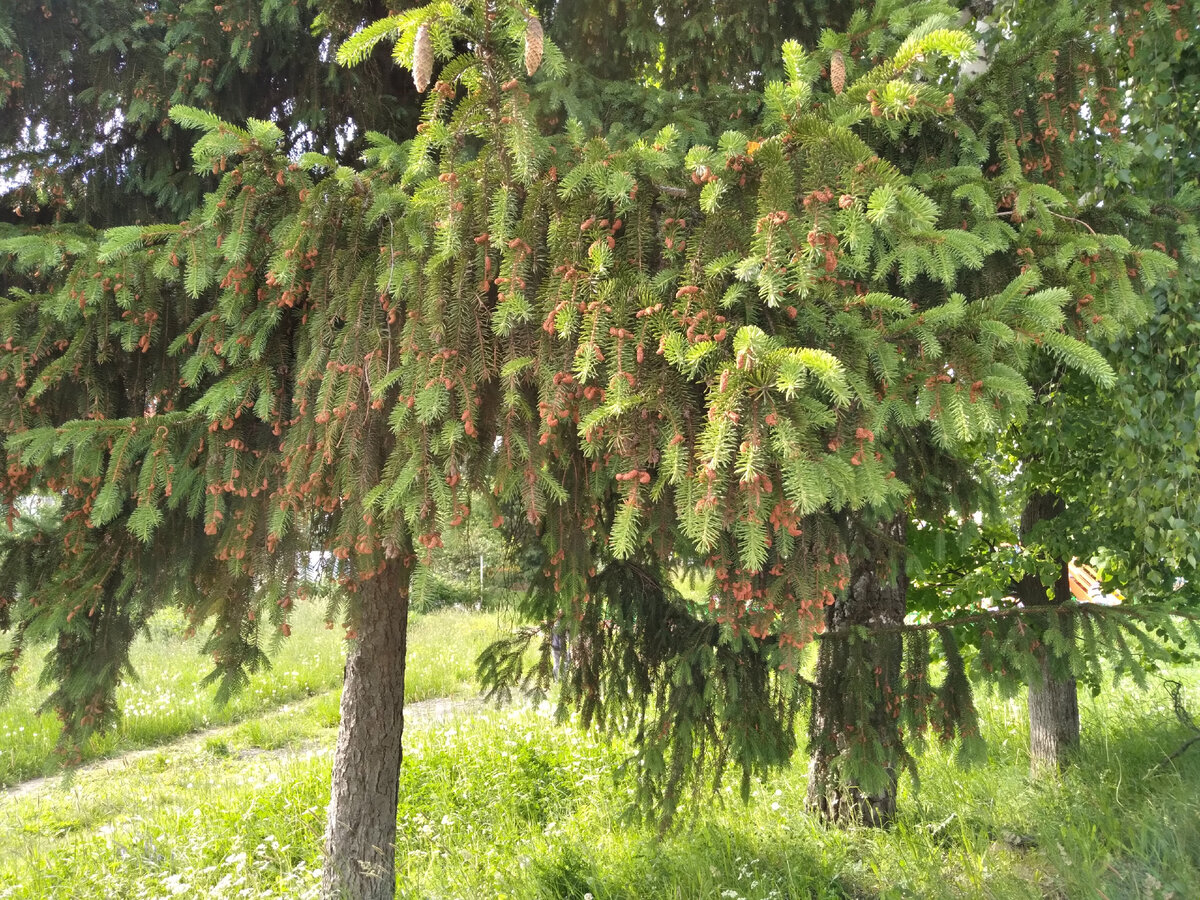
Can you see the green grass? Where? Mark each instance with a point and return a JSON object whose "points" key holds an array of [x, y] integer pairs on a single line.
{"points": [[442, 648], [167, 702], [507, 804]]}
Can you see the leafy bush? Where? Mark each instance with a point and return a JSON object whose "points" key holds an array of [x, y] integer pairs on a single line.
{"points": [[434, 592]]}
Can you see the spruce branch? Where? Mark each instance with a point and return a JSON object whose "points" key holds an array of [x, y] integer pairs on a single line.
{"points": [[1014, 611]]}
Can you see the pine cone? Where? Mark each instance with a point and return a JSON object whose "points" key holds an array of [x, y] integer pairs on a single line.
{"points": [[422, 58], [534, 42], [837, 71]]}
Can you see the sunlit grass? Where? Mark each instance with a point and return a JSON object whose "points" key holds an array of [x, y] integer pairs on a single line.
{"points": [[167, 700], [508, 804]]}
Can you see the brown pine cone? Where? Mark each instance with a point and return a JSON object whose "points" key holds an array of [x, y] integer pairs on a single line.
{"points": [[422, 58], [534, 43], [837, 71]]}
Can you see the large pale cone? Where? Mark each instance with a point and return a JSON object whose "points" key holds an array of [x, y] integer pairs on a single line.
{"points": [[837, 71], [534, 44], [422, 58]]}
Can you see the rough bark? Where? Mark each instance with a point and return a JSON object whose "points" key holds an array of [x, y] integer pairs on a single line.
{"points": [[1053, 719], [360, 835], [857, 693], [1054, 698]]}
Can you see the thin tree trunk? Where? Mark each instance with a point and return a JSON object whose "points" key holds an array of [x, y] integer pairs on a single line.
{"points": [[360, 837], [1054, 699], [857, 690]]}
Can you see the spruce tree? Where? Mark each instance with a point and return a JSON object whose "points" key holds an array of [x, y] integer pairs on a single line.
{"points": [[86, 87], [765, 348]]}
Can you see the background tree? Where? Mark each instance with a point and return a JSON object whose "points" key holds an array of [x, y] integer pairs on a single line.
{"points": [[1106, 475]]}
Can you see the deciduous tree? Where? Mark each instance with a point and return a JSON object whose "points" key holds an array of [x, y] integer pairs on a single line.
{"points": [[1103, 476]]}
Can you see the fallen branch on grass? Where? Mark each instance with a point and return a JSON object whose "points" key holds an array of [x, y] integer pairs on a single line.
{"points": [[1175, 689]]}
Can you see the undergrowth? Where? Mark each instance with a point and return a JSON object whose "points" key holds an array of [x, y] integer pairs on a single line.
{"points": [[508, 804], [167, 700]]}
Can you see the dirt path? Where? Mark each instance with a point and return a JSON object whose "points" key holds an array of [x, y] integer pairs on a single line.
{"points": [[417, 715]]}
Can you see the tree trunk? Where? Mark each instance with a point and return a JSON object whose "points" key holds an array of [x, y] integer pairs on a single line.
{"points": [[1053, 719], [360, 837], [854, 743], [1053, 700]]}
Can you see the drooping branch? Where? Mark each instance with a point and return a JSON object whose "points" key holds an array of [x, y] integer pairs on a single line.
{"points": [[1018, 611]]}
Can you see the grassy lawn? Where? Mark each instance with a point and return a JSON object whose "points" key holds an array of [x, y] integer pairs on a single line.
{"points": [[167, 702], [507, 804]]}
